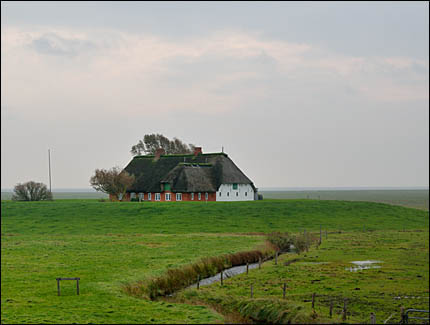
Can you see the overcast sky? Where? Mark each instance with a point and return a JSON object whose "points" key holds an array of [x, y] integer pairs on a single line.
{"points": [[299, 94]]}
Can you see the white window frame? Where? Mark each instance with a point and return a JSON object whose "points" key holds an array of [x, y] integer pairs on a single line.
{"points": [[157, 196], [132, 195], [200, 196], [167, 196], [206, 196], [192, 196], [149, 197], [178, 196], [141, 196]]}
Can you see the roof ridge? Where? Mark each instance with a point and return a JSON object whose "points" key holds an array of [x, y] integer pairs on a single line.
{"points": [[184, 155]]}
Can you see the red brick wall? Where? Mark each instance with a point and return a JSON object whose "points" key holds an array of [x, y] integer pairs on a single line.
{"points": [[185, 197]]}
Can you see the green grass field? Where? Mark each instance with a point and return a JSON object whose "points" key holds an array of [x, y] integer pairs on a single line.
{"points": [[110, 244], [403, 272]]}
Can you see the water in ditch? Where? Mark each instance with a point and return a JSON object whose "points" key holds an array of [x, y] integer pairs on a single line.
{"points": [[227, 273]]}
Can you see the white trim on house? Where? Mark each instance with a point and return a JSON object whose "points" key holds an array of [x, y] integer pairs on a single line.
{"points": [[167, 196], [157, 196], [178, 196], [149, 197]]}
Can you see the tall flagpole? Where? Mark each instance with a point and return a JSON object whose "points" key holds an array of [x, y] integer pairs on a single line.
{"points": [[49, 162]]}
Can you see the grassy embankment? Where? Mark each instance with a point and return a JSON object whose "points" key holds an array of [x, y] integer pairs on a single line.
{"points": [[112, 244]]}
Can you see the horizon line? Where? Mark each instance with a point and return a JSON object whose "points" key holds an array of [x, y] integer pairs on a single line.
{"points": [[270, 188]]}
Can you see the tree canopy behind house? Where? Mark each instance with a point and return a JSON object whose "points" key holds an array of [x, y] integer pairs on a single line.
{"points": [[151, 142]]}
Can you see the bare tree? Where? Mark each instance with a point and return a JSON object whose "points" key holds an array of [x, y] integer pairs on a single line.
{"points": [[113, 181], [152, 142], [31, 191]]}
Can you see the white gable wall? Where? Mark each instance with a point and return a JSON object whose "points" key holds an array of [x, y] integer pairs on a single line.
{"points": [[244, 192]]}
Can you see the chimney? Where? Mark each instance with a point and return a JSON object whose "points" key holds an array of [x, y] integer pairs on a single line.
{"points": [[158, 153], [197, 151]]}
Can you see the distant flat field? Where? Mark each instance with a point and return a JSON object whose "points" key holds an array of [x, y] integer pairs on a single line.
{"points": [[418, 199], [66, 195]]}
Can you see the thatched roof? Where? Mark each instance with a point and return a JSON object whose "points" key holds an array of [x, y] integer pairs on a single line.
{"points": [[184, 173]]}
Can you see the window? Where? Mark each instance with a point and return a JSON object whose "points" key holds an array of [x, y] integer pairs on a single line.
{"points": [[149, 196], [167, 196], [192, 196], [228, 193], [237, 193], [206, 196], [246, 193], [219, 193], [200, 196], [120, 196], [157, 196], [132, 195], [167, 187], [141, 197], [178, 196], [234, 186]]}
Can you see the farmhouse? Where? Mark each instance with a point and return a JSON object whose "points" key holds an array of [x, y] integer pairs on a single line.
{"points": [[189, 177]]}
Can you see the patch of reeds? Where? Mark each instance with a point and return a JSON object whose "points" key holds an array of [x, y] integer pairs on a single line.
{"points": [[182, 277]]}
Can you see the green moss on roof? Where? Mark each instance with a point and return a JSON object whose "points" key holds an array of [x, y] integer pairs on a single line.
{"points": [[195, 164]]}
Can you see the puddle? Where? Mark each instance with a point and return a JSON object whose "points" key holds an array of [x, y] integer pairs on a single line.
{"points": [[227, 273], [364, 265], [406, 297]]}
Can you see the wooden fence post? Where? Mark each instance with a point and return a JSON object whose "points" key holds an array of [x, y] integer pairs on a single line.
{"points": [[252, 293], [77, 286], [313, 300], [320, 234], [284, 290], [344, 310], [276, 258], [331, 308], [259, 262], [247, 267], [58, 286], [372, 318], [402, 311], [221, 279], [198, 281]]}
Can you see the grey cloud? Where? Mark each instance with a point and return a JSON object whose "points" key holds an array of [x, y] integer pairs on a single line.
{"points": [[185, 72], [52, 44]]}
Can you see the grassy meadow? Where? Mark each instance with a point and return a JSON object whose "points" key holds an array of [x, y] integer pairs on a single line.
{"points": [[109, 245]]}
